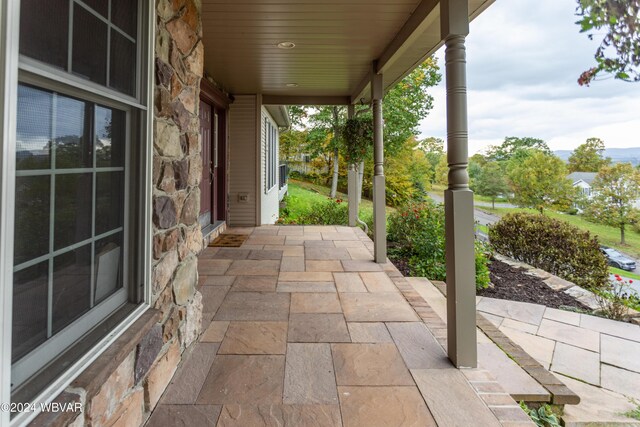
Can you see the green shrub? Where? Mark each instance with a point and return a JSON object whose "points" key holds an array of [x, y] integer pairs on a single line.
{"points": [[417, 234], [328, 212], [542, 417], [551, 245]]}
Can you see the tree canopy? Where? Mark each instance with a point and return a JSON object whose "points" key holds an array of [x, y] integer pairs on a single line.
{"points": [[588, 157], [615, 190], [540, 181], [512, 145], [491, 182], [619, 51]]}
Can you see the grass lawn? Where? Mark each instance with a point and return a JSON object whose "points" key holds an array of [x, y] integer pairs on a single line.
{"points": [[439, 189], [303, 195], [608, 236], [623, 273]]}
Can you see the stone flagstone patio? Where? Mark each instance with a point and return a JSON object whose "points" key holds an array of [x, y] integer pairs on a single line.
{"points": [[302, 328]]}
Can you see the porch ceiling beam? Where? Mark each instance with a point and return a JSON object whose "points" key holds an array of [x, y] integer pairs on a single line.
{"points": [[305, 100], [361, 90], [410, 31]]}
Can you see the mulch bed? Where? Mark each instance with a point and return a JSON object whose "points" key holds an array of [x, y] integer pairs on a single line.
{"points": [[513, 284]]}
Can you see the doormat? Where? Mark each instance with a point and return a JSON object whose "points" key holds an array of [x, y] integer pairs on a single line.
{"points": [[229, 241]]}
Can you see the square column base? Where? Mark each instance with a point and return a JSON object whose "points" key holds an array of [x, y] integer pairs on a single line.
{"points": [[379, 219], [461, 278]]}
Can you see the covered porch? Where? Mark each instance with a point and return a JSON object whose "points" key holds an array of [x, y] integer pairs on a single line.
{"points": [[302, 327]]}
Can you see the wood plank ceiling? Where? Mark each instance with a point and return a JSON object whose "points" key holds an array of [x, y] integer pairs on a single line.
{"points": [[336, 42]]}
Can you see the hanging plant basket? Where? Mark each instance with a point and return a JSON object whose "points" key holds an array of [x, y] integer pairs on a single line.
{"points": [[357, 134]]}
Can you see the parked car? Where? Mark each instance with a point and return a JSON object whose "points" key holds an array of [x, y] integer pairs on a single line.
{"points": [[616, 259]]}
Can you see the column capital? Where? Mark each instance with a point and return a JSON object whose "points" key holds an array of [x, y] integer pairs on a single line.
{"points": [[454, 18]]}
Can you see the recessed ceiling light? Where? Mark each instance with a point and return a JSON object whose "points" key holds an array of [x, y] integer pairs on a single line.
{"points": [[292, 84], [286, 45]]}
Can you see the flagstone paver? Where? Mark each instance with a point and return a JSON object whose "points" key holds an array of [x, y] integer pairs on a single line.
{"points": [[318, 328], [255, 338], [377, 307], [620, 380], [349, 282], [306, 287], [254, 306], [244, 379], [576, 362], [326, 253], [309, 376], [369, 332], [369, 364], [188, 380], [521, 311], [417, 346], [280, 415], [315, 303], [250, 267], [568, 334], [384, 407], [184, 415], [323, 265], [215, 332], [378, 282], [255, 284], [620, 352]]}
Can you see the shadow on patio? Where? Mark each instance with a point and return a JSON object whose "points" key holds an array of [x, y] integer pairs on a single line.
{"points": [[302, 328]]}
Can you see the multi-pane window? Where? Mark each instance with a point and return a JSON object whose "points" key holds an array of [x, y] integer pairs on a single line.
{"points": [[75, 188], [69, 222], [271, 155], [93, 39]]}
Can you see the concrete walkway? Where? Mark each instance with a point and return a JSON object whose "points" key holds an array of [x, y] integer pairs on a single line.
{"points": [[302, 328]]}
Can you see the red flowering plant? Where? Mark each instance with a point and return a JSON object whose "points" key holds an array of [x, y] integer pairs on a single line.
{"points": [[617, 298]]}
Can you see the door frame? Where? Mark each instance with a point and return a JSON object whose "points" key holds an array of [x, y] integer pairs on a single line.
{"points": [[219, 101]]}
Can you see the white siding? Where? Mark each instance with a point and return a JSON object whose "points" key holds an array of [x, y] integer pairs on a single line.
{"points": [[242, 160], [270, 205]]}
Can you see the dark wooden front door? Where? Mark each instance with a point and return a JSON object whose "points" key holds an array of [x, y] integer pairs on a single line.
{"points": [[207, 183]]}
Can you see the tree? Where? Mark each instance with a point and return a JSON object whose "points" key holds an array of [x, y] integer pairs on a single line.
{"points": [[512, 145], [540, 181], [619, 50], [476, 162], [433, 149], [615, 189], [442, 171], [291, 143], [491, 182], [588, 156]]}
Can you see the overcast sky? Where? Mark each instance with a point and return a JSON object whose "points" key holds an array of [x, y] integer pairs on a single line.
{"points": [[523, 61]]}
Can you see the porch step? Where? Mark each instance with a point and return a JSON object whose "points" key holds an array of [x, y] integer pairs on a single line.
{"points": [[511, 376]]}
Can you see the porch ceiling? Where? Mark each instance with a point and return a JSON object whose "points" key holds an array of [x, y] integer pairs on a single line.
{"points": [[336, 44]]}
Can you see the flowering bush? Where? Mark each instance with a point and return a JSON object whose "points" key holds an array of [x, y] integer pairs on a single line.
{"points": [[416, 231], [615, 298]]}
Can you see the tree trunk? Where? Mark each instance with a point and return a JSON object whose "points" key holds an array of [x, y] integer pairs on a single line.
{"points": [[334, 181], [493, 202], [622, 234]]}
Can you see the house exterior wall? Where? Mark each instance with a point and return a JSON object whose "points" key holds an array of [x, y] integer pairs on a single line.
{"points": [[124, 384], [243, 159], [270, 205]]}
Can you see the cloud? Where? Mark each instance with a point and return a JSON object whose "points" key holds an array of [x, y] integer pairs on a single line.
{"points": [[524, 57]]}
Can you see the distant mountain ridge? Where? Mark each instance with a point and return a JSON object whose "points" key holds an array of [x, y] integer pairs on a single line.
{"points": [[618, 155]]}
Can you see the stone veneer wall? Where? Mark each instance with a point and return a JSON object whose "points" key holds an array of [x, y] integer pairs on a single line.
{"points": [[125, 383]]}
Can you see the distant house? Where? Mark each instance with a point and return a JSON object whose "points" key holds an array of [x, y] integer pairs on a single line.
{"points": [[583, 181]]}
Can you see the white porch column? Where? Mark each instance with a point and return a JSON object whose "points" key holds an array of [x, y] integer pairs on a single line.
{"points": [[379, 194], [352, 182], [460, 264]]}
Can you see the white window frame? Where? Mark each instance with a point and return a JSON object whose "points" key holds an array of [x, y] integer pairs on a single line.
{"points": [[270, 155], [10, 64]]}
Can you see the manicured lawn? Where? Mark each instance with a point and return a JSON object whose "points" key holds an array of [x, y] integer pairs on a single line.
{"points": [[439, 189], [608, 236], [623, 273], [303, 195]]}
